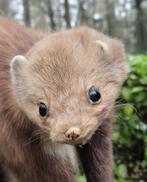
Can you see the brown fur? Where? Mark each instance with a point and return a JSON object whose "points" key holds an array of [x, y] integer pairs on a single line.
{"points": [[58, 70]]}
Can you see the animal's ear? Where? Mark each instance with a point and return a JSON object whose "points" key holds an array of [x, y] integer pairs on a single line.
{"points": [[17, 63], [113, 48], [18, 68], [104, 47], [19, 74], [22, 83], [113, 52], [117, 50]]}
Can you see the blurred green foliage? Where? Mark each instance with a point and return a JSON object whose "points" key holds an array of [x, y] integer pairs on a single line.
{"points": [[130, 128], [81, 179]]}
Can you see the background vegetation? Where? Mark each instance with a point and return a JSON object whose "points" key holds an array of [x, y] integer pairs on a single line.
{"points": [[125, 20], [130, 129]]}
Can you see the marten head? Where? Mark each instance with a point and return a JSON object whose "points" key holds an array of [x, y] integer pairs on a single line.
{"points": [[68, 82]]}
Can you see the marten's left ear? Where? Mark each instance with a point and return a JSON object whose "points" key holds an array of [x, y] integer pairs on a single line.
{"points": [[113, 48], [104, 47], [115, 53], [117, 50]]}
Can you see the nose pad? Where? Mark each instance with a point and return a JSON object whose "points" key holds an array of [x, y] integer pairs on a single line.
{"points": [[73, 133]]}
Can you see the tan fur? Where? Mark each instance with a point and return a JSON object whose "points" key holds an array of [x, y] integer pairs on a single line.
{"points": [[57, 70]]}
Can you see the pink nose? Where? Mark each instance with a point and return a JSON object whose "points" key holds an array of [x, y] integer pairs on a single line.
{"points": [[73, 133]]}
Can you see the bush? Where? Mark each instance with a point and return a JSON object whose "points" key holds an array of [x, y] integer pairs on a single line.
{"points": [[130, 129]]}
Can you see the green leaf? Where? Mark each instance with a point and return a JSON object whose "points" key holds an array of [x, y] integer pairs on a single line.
{"points": [[126, 92], [143, 80], [122, 170], [128, 109], [140, 97], [137, 89], [115, 136], [82, 179]]}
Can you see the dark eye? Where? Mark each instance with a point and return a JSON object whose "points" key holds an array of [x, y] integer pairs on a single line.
{"points": [[94, 95], [42, 110]]}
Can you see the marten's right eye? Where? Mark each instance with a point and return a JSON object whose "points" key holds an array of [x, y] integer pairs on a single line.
{"points": [[43, 110]]}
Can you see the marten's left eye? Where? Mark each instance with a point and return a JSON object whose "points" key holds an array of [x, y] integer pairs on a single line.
{"points": [[94, 95], [43, 110]]}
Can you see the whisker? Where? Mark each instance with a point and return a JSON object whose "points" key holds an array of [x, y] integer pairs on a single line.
{"points": [[36, 135], [123, 105], [31, 141]]}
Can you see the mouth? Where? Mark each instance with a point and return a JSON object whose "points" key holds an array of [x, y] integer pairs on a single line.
{"points": [[72, 142]]}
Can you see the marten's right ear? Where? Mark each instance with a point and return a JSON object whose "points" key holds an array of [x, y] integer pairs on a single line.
{"points": [[18, 66], [19, 72], [17, 63]]}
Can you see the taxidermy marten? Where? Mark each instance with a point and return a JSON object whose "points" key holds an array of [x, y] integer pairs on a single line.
{"points": [[57, 96]]}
